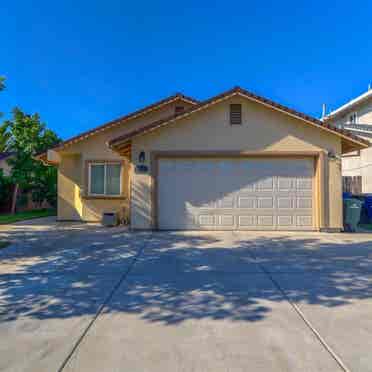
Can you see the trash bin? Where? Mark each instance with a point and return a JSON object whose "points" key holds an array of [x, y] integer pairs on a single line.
{"points": [[368, 205], [347, 195], [352, 210]]}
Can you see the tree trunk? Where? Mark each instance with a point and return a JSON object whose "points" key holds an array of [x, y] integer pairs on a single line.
{"points": [[14, 198]]}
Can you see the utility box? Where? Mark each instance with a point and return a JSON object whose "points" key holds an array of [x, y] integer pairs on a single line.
{"points": [[110, 219]]}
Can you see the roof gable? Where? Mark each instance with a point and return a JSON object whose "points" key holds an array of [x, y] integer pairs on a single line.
{"points": [[122, 120], [350, 139]]}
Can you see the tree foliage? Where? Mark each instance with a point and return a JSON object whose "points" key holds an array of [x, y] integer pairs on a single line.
{"points": [[5, 188], [28, 136], [4, 137]]}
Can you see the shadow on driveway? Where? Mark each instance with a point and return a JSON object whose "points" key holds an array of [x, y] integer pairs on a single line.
{"points": [[178, 277]]}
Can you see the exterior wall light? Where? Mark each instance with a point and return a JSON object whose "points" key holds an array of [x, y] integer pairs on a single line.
{"points": [[141, 157]]}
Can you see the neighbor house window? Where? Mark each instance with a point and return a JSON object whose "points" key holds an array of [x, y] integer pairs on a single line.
{"points": [[105, 179], [352, 118], [235, 113]]}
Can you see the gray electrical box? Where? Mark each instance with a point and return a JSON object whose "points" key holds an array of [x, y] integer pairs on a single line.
{"points": [[110, 219]]}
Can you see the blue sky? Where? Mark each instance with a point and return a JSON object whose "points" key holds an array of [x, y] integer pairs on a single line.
{"points": [[82, 63]]}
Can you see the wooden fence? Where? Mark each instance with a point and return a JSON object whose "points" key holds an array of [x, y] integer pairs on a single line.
{"points": [[352, 184]]}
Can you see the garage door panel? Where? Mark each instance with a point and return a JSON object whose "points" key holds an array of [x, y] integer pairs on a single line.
{"points": [[226, 202], [227, 220], [247, 221], [286, 183], [265, 202], [304, 203], [284, 202], [230, 194], [265, 221], [304, 184], [247, 202], [266, 184], [285, 221]]}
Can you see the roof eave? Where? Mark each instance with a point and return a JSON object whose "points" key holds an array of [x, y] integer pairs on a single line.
{"points": [[349, 106], [345, 135], [131, 116], [43, 157]]}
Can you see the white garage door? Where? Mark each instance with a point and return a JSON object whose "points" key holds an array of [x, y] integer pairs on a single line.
{"points": [[235, 194]]}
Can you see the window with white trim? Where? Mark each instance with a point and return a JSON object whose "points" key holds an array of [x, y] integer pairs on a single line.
{"points": [[105, 179]]}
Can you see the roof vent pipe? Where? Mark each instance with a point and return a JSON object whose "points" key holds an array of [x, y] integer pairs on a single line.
{"points": [[324, 110], [369, 86]]}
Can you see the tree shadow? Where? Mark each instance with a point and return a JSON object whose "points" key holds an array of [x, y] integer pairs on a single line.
{"points": [[178, 276]]}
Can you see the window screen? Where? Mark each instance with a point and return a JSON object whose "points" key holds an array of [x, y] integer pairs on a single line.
{"points": [[97, 178], [113, 179], [105, 179]]}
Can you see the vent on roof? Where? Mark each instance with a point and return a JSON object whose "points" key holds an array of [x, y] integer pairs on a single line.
{"points": [[179, 110], [235, 113]]}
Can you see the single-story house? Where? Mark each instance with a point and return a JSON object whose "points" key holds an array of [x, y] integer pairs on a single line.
{"points": [[234, 161]]}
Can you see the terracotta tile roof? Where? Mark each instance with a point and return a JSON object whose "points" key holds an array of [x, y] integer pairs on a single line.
{"points": [[237, 90], [125, 118]]}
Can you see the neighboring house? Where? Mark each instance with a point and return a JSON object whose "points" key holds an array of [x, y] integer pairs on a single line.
{"points": [[234, 161], [4, 157], [27, 203], [356, 116]]}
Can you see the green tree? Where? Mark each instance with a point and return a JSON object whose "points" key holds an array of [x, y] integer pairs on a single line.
{"points": [[4, 134], [4, 137], [28, 137], [5, 188]]}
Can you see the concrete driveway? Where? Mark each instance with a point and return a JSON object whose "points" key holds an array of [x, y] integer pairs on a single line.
{"points": [[77, 297]]}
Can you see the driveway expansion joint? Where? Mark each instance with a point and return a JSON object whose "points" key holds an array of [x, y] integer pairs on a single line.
{"points": [[301, 315], [101, 308]]}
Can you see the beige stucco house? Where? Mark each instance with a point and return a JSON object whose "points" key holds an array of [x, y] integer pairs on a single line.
{"points": [[235, 161], [356, 116]]}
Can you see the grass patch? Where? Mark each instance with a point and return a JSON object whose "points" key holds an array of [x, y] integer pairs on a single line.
{"points": [[22, 216]]}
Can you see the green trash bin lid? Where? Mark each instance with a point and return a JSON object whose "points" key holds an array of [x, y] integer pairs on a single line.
{"points": [[353, 203]]}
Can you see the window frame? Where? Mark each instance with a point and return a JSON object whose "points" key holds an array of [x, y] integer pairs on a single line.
{"points": [[105, 164], [354, 115]]}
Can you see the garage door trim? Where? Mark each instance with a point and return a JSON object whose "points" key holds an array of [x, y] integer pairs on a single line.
{"points": [[318, 181]]}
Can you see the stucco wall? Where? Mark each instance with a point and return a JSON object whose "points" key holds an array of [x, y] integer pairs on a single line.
{"points": [[263, 129], [69, 180], [72, 205]]}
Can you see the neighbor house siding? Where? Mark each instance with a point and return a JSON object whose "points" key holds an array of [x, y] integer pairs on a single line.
{"points": [[262, 129], [364, 114], [356, 164]]}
